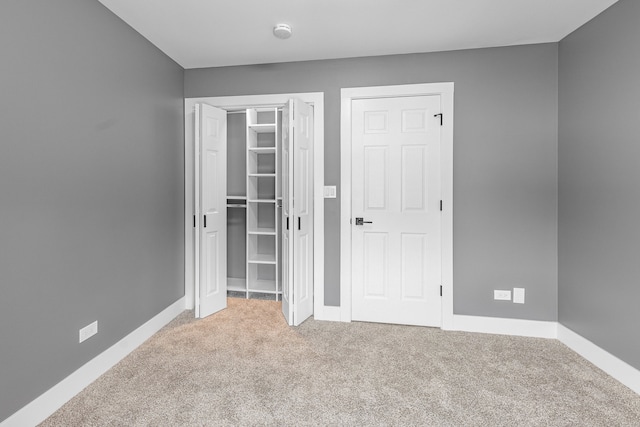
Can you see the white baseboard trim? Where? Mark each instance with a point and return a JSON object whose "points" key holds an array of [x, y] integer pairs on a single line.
{"points": [[328, 313], [618, 369], [504, 326], [51, 400]]}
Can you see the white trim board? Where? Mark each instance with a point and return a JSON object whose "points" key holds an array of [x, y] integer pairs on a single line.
{"points": [[316, 99], [329, 314], [51, 400], [445, 90], [504, 326], [616, 368]]}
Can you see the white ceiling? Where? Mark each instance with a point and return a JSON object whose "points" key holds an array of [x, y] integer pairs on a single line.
{"points": [[213, 33]]}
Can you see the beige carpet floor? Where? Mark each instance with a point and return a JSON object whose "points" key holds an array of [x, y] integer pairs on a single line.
{"points": [[245, 367]]}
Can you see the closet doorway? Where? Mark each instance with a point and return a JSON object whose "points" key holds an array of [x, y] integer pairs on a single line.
{"points": [[275, 209]]}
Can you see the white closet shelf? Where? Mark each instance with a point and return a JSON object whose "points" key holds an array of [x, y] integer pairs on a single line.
{"points": [[236, 205], [263, 231], [236, 197], [262, 150], [263, 128], [262, 259], [236, 284], [263, 286], [262, 175], [261, 201]]}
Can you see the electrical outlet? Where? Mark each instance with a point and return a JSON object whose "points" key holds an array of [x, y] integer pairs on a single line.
{"points": [[502, 295], [88, 331], [518, 295]]}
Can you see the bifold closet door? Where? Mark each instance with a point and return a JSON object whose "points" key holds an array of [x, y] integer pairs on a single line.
{"points": [[211, 209], [297, 212]]}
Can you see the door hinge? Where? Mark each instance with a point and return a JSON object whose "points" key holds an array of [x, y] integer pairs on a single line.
{"points": [[194, 221], [287, 223], [440, 290], [205, 221], [441, 118], [440, 205]]}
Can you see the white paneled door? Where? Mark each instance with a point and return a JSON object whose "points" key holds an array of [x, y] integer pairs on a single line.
{"points": [[395, 225], [211, 209], [297, 212], [287, 213]]}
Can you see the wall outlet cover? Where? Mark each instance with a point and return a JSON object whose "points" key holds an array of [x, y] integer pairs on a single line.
{"points": [[330, 191], [501, 295], [88, 331], [518, 295]]}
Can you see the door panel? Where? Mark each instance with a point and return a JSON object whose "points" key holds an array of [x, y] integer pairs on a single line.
{"points": [[211, 190], [303, 211], [376, 265], [415, 187], [375, 184], [396, 269], [287, 214], [297, 211], [211, 149], [286, 291], [212, 286], [304, 269], [413, 265]]}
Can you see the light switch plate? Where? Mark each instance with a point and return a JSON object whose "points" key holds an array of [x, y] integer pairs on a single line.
{"points": [[518, 295], [329, 191]]}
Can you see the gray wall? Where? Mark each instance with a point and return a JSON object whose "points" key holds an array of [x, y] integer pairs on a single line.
{"points": [[91, 188], [505, 160], [599, 181], [236, 186]]}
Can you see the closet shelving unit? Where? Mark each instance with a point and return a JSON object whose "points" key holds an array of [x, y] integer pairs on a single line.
{"points": [[262, 202]]}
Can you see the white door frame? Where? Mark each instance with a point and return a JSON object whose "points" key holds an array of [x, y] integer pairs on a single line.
{"points": [[316, 99], [445, 90]]}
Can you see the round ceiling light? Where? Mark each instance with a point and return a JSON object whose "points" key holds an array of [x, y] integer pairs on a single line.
{"points": [[282, 31]]}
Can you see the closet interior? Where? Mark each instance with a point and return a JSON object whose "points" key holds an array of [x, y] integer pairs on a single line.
{"points": [[254, 203]]}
